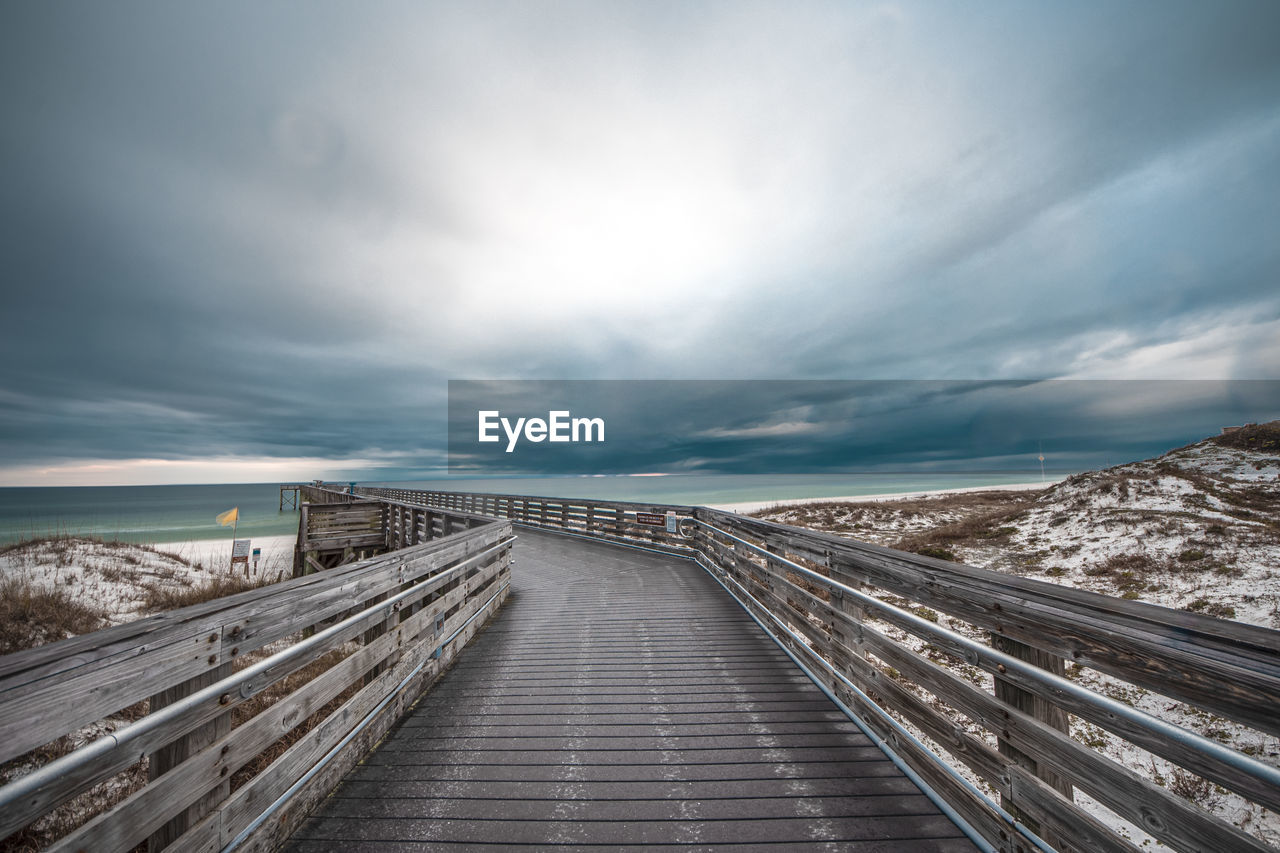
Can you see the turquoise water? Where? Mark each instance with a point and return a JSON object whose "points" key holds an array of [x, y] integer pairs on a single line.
{"points": [[143, 513], [181, 513]]}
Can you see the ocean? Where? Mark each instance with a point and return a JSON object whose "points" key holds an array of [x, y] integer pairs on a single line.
{"points": [[154, 514]]}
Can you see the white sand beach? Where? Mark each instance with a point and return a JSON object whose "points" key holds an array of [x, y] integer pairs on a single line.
{"points": [[755, 506], [277, 552]]}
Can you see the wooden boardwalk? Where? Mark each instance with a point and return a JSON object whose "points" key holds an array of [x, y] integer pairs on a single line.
{"points": [[623, 698]]}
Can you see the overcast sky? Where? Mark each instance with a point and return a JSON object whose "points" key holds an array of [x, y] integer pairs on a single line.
{"points": [[247, 241]]}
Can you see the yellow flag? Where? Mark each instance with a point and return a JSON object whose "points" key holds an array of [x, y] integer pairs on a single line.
{"points": [[229, 516]]}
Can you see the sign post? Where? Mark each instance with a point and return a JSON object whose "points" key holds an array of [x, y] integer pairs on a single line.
{"points": [[240, 554]]}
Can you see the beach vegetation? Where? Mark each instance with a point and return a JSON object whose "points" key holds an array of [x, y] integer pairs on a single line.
{"points": [[1197, 529], [161, 598], [1209, 607], [55, 587], [935, 551], [1260, 438], [32, 613], [58, 586]]}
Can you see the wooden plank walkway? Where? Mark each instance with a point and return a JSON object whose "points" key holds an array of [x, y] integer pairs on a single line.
{"points": [[622, 698]]}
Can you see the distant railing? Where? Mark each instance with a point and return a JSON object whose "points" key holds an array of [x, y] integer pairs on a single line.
{"points": [[847, 610], [336, 528], [623, 522], [375, 631]]}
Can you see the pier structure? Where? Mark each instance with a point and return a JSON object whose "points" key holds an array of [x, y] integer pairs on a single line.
{"points": [[458, 671]]}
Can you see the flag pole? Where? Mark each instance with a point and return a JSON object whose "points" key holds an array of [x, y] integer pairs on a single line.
{"points": [[234, 515]]}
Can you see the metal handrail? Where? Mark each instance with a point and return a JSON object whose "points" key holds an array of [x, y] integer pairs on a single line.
{"points": [[977, 653], [351, 735], [899, 729], [31, 783]]}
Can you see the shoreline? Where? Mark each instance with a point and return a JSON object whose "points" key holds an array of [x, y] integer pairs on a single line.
{"points": [[214, 554], [755, 506], [279, 548]]}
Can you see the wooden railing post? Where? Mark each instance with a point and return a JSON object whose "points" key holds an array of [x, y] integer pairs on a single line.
{"points": [[1035, 706], [172, 754], [299, 547]]}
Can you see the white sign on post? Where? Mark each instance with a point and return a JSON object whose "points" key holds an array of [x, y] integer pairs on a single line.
{"points": [[240, 554]]}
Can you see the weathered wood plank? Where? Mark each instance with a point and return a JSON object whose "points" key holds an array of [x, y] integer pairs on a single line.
{"points": [[185, 626], [169, 756], [1229, 668], [34, 713], [129, 821], [213, 707], [78, 689], [1159, 812], [333, 543], [1036, 706], [55, 659], [1204, 661], [249, 802], [1069, 827]]}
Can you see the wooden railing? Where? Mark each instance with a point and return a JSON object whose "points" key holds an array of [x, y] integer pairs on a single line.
{"points": [[337, 528], [624, 522], [996, 696], [339, 653]]}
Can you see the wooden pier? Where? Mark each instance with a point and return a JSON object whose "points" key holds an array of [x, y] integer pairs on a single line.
{"points": [[289, 493], [668, 676]]}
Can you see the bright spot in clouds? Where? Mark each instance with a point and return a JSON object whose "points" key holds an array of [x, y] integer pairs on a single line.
{"points": [[274, 231]]}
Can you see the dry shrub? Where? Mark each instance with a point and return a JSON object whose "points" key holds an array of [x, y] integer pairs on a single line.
{"points": [[1217, 609], [168, 555], [816, 589], [1191, 787], [1240, 501], [985, 520], [1123, 483], [78, 811], [935, 551], [1126, 565], [1130, 573], [160, 598], [1262, 438], [32, 614], [962, 502], [264, 700]]}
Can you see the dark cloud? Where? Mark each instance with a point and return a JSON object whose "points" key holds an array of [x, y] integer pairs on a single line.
{"points": [[275, 231], [813, 426]]}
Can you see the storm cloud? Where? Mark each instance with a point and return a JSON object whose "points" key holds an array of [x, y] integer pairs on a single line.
{"points": [[257, 236], [832, 426]]}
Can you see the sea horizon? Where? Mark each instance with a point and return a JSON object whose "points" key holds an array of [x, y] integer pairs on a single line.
{"points": [[179, 513]]}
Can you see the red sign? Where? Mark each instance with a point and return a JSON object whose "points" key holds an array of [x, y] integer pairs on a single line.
{"points": [[651, 518]]}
